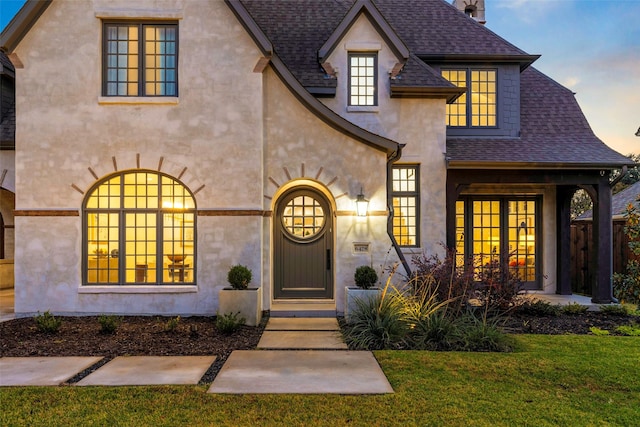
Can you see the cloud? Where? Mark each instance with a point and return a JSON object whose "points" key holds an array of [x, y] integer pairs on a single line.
{"points": [[571, 81]]}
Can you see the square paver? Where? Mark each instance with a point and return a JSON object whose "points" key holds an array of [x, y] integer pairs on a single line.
{"points": [[42, 371], [316, 340], [150, 370], [302, 372]]}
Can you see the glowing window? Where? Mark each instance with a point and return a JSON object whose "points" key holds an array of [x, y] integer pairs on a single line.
{"points": [[139, 229], [477, 107], [406, 204], [303, 217], [363, 79]]}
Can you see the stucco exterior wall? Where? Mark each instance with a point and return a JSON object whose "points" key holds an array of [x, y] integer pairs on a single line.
{"points": [[66, 128], [417, 123]]}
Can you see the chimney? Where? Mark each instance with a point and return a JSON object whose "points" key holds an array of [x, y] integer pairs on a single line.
{"points": [[472, 8]]}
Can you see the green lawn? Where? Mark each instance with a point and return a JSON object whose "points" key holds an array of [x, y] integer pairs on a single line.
{"points": [[550, 380]]}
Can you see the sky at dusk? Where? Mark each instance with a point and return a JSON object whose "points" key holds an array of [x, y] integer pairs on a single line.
{"points": [[590, 46]]}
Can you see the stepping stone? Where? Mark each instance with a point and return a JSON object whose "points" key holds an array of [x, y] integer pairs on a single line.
{"points": [[302, 324], [327, 340], [42, 371], [150, 370], [302, 372]]}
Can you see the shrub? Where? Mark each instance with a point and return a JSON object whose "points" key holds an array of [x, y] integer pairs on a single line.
{"points": [[626, 286], [629, 330], [436, 332], [483, 334], [172, 324], [597, 331], [239, 277], [614, 310], [47, 322], [365, 277], [574, 308], [538, 308], [378, 323], [229, 322], [109, 323]]}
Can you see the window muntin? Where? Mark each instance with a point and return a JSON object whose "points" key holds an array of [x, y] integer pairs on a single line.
{"points": [[406, 204], [140, 59], [363, 79], [140, 229], [479, 103], [489, 227], [303, 217]]}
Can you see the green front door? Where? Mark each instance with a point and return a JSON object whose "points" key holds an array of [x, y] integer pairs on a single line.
{"points": [[303, 246]]}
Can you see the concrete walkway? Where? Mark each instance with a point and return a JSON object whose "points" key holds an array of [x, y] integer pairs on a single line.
{"points": [[294, 355], [313, 367]]}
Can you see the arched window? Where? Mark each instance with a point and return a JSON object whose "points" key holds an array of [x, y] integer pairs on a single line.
{"points": [[139, 228]]}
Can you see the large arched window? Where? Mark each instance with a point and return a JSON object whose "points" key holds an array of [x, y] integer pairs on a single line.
{"points": [[139, 228]]}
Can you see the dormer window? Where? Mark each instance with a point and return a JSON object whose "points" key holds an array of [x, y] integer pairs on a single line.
{"points": [[363, 79], [477, 107]]}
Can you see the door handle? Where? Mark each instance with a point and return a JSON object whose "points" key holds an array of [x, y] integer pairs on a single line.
{"points": [[328, 259]]}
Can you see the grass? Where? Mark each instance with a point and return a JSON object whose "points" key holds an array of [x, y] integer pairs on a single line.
{"points": [[548, 380]]}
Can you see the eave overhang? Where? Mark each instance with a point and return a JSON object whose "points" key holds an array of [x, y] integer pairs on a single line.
{"points": [[321, 111], [463, 164], [21, 24], [450, 94], [524, 60]]}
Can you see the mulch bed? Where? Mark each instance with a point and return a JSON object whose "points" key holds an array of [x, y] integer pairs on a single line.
{"points": [[567, 323]]}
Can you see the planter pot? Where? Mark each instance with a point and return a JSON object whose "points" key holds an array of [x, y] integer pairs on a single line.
{"points": [[248, 302], [354, 294]]}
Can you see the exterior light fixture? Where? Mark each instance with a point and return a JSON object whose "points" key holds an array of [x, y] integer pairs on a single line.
{"points": [[638, 132], [362, 204]]}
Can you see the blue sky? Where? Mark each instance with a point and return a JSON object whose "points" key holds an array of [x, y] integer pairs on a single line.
{"points": [[590, 46]]}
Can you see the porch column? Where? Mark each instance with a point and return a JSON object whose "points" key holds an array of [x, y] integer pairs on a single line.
{"points": [[452, 196], [563, 215], [603, 238]]}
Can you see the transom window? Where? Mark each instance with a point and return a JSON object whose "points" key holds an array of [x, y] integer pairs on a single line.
{"points": [[480, 111], [363, 79], [498, 231], [140, 59], [303, 217], [406, 204], [139, 229]]}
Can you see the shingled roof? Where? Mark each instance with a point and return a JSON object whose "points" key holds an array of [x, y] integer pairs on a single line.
{"points": [[554, 133], [619, 203]]}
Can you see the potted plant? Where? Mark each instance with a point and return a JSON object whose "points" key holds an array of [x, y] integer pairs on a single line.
{"points": [[365, 278], [240, 297]]}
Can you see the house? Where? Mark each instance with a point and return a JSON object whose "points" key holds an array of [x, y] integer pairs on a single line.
{"points": [[159, 143], [7, 169]]}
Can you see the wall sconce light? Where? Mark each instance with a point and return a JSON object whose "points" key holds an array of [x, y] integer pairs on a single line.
{"points": [[362, 204], [638, 133]]}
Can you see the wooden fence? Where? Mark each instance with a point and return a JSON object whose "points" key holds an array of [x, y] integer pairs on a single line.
{"points": [[583, 254]]}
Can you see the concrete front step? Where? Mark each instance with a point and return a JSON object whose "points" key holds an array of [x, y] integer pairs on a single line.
{"points": [[302, 333]]}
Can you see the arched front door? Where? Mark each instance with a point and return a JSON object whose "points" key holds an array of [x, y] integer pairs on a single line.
{"points": [[303, 245]]}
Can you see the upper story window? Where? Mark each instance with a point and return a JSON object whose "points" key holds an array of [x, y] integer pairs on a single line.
{"points": [[476, 108], [363, 79], [140, 59], [406, 204], [139, 229]]}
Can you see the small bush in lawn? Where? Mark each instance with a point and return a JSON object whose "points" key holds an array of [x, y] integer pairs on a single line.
{"points": [[538, 308], [597, 331], [629, 330], [614, 310], [229, 323], [47, 322], [574, 308], [483, 334], [172, 324], [109, 323]]}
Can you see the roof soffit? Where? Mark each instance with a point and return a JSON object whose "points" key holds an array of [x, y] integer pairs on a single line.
{"points": [[381, 25]]}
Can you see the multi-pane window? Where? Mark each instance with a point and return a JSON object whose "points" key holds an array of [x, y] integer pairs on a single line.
{"points": [[139, 229], [477, 107], [406, 204], [140, 59], [501, 231], [363, 79]]}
